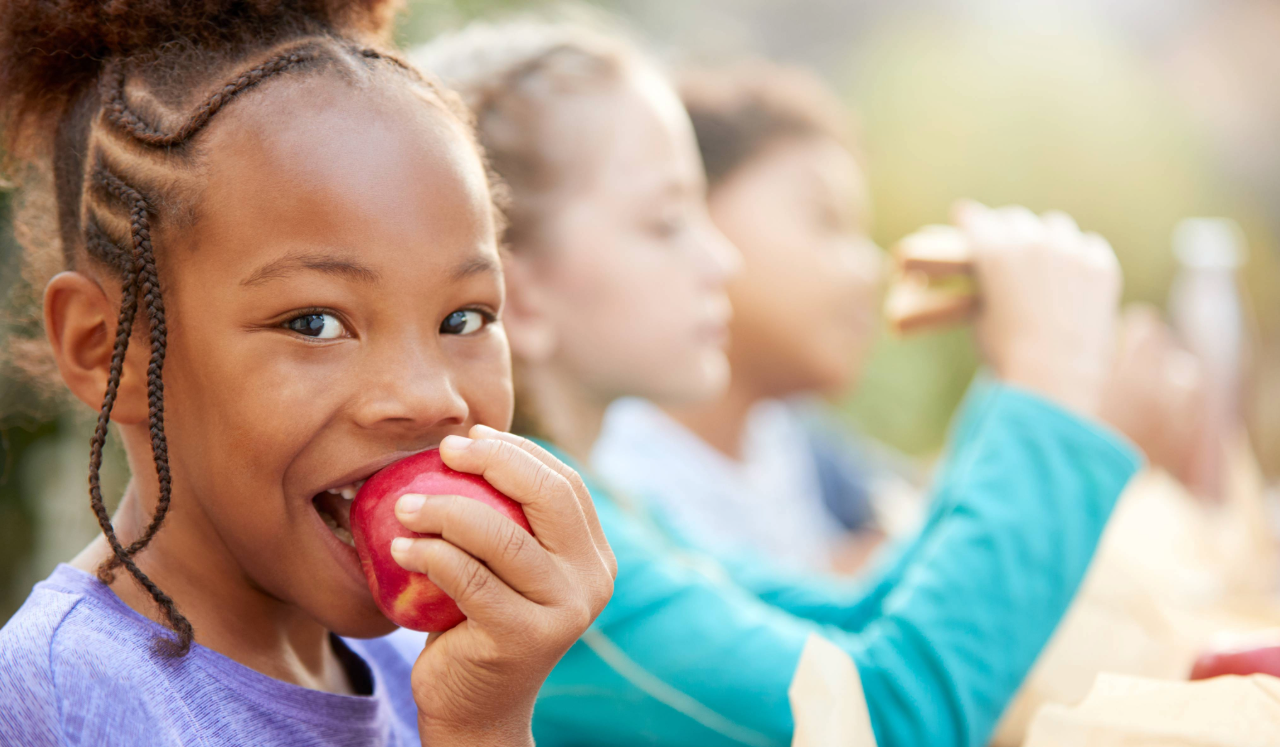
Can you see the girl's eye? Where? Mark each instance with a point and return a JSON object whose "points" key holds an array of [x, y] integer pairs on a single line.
{"points": [[463, 322], [316, 325]]}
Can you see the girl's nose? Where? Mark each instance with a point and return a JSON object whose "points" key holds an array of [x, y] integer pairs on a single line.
{"points": [[410, 392]]}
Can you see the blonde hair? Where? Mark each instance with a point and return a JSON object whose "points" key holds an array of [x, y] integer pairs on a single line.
{"points": [[511, 75]]}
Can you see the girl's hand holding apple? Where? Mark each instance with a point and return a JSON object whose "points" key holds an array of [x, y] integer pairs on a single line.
{"points": [[526, 597]]}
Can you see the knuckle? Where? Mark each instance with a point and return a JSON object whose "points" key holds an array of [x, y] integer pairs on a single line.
{"points": [[501, 453], [425, 558], [510, 542], [603, 595], [580, 616], [474, 579], [531, 448], [575, 481], [547, 482], [451, 514], [539, 628]]}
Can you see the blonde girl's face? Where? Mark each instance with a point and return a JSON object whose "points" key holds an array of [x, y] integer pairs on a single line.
{"points": [[630, 272]]}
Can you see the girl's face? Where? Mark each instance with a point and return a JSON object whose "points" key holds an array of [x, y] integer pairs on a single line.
{"points": [[629, 273], [332, 308], [805, 303]]}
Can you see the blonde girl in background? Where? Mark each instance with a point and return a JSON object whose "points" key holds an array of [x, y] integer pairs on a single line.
{"points": [[761, 468]]}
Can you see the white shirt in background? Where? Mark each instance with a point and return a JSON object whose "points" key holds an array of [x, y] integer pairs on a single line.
{"points": [[768, 502]]}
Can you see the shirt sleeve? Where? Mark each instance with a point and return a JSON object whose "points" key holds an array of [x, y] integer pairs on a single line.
{"points": [[29, 715], [691, 652], [850, 603], [58, 690]]}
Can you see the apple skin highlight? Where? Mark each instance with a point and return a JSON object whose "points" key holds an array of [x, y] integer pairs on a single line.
{"points": [[409, 599]]}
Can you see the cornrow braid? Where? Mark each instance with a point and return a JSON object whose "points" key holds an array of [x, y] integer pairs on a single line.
{"points": [[147, 283], [116, 108], [108, 191]]}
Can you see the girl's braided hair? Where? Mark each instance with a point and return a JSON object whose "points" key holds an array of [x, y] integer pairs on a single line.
{"points": [[107, 101]]}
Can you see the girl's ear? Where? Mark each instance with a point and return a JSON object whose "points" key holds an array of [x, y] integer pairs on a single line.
{"points": [[80, 321], [526, 317]]}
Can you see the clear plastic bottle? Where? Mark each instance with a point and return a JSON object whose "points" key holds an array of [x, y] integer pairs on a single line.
{"points": [[1207, 312]]}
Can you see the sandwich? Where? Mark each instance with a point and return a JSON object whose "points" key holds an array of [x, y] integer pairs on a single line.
{"points": [[934, 285]]}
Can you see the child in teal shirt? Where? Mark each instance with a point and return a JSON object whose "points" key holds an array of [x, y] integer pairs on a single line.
{"points": [[692, 652]]}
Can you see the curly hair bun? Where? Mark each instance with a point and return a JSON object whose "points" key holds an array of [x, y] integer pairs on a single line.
{"points": [[50, 50]]}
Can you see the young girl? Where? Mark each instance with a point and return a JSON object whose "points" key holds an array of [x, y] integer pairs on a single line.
{"points": [[617, 281], [748, 470], [280, 275]]}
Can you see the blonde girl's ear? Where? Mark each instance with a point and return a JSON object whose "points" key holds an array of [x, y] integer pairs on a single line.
{"points": [[527, 315], [80, 318]]}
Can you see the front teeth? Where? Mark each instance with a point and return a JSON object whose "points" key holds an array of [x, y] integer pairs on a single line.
{"points": [[348, 492]]}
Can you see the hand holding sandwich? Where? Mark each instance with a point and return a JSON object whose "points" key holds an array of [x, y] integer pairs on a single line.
{"points": [[1043, 296], [1049, 300]]}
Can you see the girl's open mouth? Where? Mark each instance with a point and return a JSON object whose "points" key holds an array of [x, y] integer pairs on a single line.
{"points": [[334, 507]]}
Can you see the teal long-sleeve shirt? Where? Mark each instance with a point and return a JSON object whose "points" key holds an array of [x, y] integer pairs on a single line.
{"points": [[699, 651]]}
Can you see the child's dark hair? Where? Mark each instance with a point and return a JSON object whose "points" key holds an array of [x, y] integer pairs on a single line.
{"points": [[107, 99], [739, 110]]}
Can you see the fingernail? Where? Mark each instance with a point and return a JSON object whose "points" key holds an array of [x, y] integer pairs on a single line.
{"points": [[456, 443], [481, 431], [401, 545], [409, 503]]}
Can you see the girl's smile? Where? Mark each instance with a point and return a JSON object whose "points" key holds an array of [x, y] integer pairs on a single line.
{"points": [[337, 309]]}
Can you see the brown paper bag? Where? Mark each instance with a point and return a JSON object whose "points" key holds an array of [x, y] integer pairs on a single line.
{"points": [[1114, 626], [827, 702], [1134, 712], [1171, 575]]}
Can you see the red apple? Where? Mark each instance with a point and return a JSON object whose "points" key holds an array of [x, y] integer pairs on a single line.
{"points": [[409, 599], [1263, 660]]}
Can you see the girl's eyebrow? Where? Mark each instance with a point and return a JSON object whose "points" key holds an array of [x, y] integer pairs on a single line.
{"points": [[328, 263], [476, 266]]}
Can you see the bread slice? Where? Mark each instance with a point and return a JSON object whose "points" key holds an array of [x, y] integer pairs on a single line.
{"points": [[914, 305], [935, 251]]}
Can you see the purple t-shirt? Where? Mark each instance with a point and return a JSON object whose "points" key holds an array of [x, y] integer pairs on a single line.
{"points": [[77, 668]]}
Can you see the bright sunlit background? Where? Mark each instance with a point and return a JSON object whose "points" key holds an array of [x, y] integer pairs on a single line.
{"points": [[1129, 114]]}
